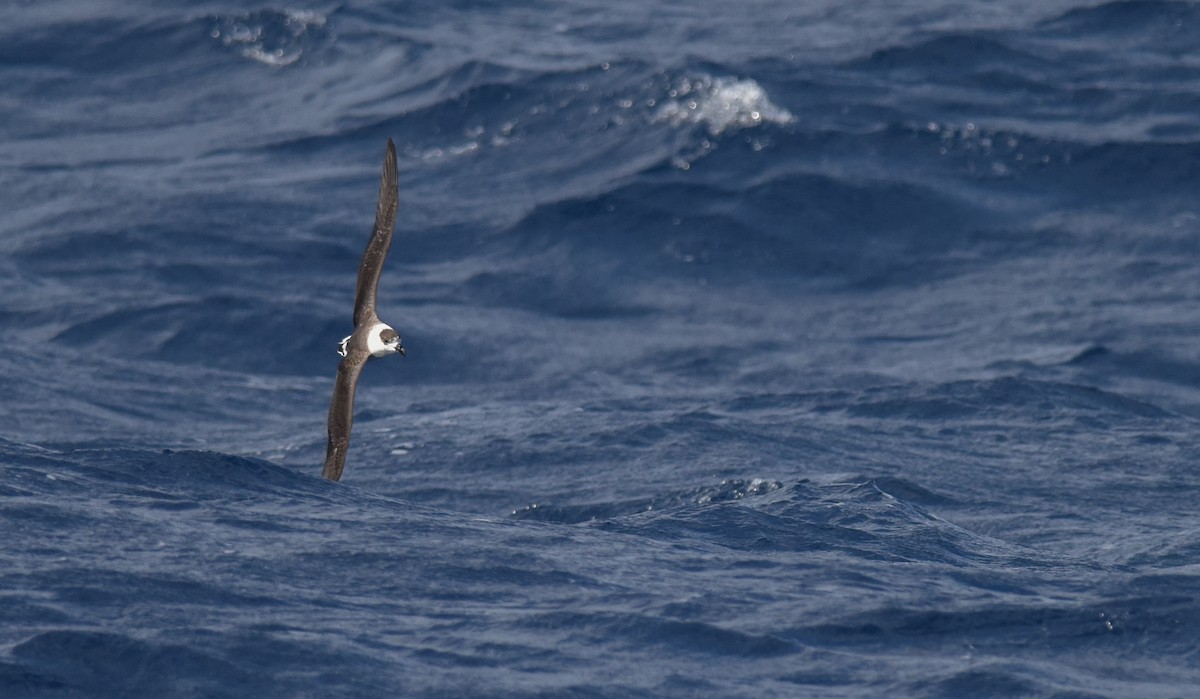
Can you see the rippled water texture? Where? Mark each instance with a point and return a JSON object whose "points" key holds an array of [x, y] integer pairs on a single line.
{"points": [[761, 349]]}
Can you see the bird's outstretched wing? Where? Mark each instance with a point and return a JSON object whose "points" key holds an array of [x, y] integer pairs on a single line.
{"points": [[381, 239], [341, 413]]}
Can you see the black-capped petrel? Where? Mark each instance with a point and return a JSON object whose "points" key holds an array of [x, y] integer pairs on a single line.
{"points": [[371, 338]]}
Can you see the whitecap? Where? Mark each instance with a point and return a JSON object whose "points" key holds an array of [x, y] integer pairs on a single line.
{"points": [[720, 104]]}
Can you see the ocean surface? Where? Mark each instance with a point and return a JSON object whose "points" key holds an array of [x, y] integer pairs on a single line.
{"points": [[755, 349]]}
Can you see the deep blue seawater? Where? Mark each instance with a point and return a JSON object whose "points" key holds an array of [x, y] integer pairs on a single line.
{"points": [[755, 349]]}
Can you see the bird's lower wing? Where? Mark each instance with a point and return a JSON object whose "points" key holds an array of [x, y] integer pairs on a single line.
{"points": [[341, 414]]}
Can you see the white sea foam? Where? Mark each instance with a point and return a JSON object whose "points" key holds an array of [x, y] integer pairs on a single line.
{"points": [[720, 104], [276, 38]]}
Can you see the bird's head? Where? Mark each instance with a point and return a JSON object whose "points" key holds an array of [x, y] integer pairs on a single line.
{"points": [[383, 341]]}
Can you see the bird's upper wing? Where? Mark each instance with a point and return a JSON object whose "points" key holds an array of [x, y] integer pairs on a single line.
{"points": [[341, 413], [381, 239]]}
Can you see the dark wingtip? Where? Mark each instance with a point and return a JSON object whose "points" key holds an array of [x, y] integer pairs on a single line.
{"points": [[388, 189], [388, 184], [389, 158]]}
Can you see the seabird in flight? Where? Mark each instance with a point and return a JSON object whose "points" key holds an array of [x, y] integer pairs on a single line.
{"points": [[371, 338]]}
